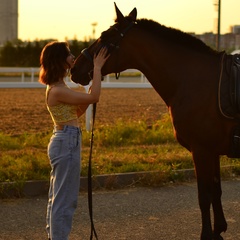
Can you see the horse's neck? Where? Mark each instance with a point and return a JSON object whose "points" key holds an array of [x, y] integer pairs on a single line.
{"points": [[168, 69], [161, 71]]}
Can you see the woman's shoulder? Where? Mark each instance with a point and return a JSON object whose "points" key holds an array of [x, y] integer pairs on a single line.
{"points": [[62, 92], [58, 88]]}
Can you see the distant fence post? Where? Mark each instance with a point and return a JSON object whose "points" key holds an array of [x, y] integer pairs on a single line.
{"points": [[89, 112], [89, 117], [32, 74], [22, 76]]}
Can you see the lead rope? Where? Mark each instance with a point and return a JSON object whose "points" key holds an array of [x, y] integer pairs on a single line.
{"points": [[90, 208]]}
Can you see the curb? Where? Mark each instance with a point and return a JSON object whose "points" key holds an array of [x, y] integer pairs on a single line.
{"points": [[111, 181], [108, 181]]}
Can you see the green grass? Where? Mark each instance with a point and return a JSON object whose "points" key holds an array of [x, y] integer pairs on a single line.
{"points": [[119, 148]]}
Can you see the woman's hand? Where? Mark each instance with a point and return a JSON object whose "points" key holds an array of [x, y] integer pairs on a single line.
{"points": [[98, 61], [100, 58]]}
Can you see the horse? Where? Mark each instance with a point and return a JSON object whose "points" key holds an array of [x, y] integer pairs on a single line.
{"points": [[186, 73]]}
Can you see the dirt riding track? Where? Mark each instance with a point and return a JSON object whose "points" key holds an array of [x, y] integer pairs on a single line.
{"points": [[24, 110]]}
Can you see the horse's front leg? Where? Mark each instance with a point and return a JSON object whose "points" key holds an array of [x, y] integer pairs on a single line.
{"points": [[220, 224], [204, 166]]}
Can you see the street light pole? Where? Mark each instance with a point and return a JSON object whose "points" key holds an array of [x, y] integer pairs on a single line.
{"points": [[94, 30]]}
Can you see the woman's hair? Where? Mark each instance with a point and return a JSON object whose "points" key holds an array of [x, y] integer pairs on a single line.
{"points": [[53, 64]]}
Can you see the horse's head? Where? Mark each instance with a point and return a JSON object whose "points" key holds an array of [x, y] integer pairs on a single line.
{"points": [[112, 39]]}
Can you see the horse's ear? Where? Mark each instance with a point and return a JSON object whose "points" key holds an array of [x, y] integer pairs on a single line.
{"points": [[133, 14], [120, 16]]}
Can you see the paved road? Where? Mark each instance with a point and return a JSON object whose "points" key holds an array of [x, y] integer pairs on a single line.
{"points": [[164, 213]]}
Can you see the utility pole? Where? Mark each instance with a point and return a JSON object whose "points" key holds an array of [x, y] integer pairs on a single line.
{"points": [[218, 40], [219, 26]]}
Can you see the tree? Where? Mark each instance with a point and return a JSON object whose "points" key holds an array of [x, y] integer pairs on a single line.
{"points": [[27, 54], [8, 54]]}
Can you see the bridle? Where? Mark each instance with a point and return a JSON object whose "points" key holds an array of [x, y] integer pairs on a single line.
{"points": [[112, 46]]}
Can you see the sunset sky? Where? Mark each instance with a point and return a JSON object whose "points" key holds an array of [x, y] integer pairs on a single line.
{"points": [[61, 19]]}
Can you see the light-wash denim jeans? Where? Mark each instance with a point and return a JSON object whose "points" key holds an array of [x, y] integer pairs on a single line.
{"points": [[65, 156]]}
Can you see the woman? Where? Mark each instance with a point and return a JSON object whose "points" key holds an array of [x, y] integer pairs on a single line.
{"points": [[65, 107]]}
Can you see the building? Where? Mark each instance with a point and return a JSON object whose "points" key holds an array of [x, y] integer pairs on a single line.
{"points": [[8, 20], [235, 29], [228, 41]]}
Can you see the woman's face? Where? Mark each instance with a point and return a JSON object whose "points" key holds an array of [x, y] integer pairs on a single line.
{"points": [[70, 60]]}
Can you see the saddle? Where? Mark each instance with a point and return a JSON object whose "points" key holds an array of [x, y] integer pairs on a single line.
{"points": [[229, 97], [229, 87]]}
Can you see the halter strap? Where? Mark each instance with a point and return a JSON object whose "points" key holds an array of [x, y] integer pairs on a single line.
{"points": [[87, 55]]}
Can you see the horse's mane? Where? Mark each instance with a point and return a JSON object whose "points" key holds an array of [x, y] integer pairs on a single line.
{"points": [[174, 35]]}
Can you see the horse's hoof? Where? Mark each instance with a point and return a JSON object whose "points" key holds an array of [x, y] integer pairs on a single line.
{"points": [[219, 237]]}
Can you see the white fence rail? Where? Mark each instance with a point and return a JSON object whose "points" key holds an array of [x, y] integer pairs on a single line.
{"points": [[28, 78], [22, 71]]}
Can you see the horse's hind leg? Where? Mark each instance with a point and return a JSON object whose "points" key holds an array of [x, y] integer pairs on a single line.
{"points": [[220, 224]]}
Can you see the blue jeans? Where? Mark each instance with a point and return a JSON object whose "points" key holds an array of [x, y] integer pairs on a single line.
{"points": [[65, 156]]}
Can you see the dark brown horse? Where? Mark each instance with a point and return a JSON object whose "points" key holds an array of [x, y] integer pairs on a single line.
{"points": [[185, 72]]}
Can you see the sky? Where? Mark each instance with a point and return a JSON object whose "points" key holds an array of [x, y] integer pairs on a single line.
{"points": [[74, 19]]}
